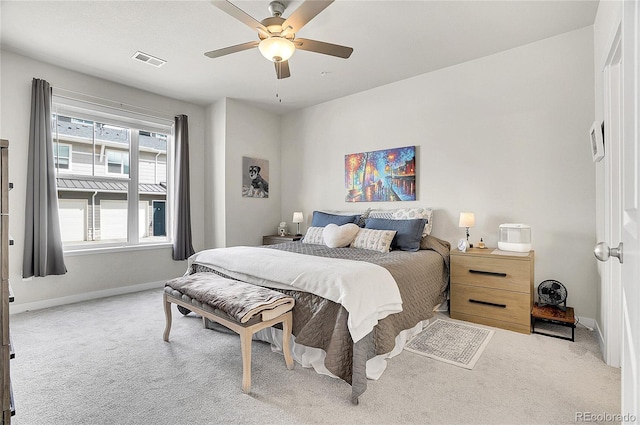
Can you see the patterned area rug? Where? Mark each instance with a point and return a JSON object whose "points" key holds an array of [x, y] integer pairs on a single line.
{"points": [[451, 342]]}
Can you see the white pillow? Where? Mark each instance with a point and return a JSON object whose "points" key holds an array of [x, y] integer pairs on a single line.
{"points": [[314, 236], [377, 240], [339, 236]]}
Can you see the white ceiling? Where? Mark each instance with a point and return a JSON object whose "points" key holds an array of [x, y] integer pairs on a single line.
{"points": [[392, 40]]}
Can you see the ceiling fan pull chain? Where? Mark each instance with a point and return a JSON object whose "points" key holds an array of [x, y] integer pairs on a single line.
{"points": [[279, 65]]}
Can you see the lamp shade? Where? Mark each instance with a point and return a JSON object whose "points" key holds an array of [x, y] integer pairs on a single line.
{"points": [[298, 217], [276, 49], [467, 219]]}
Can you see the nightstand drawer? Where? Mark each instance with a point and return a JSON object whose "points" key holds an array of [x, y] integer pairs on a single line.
{"points": [[492, 272], [504, 306]]}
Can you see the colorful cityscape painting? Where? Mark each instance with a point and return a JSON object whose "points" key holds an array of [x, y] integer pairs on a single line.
{"points": [[386, 175]]}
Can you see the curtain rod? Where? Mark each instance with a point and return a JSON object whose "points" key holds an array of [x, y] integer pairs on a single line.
{"points": [[101, 101]]}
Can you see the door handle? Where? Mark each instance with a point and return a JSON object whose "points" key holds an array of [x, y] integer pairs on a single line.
{"points": [[603, 252]]}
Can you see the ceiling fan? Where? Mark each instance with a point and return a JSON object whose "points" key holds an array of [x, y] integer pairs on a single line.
{"points": [[277, 38]]}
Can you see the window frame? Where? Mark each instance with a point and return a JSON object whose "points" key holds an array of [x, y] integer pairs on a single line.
{"points": [[136, 121]]}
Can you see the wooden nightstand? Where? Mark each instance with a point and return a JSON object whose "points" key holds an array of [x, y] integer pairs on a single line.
{"points": [[492, 289], [274, 239]]}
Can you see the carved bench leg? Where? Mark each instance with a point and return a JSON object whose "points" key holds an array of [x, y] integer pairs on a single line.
{"points": [[245, 345], [167, 315], [286, 340]]}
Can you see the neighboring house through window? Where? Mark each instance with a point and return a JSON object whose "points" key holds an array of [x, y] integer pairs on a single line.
{"points": [[112, 176]]}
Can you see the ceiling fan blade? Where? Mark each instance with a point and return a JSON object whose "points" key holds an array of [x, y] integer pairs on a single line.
{"points": [[282, 70], [305, 12], [239, 14], [232, 49], [322, 47]]}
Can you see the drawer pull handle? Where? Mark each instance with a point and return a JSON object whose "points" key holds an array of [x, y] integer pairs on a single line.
{"points": [[488, 273], [487, 303]]}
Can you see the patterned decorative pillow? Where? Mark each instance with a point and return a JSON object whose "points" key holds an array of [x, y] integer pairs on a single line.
{"points": [[361, 221], [388, 214], [376, 240], [314, 236], [339, 236]]}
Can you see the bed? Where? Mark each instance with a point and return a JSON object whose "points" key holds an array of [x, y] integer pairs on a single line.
{"points": [[352, 337]]}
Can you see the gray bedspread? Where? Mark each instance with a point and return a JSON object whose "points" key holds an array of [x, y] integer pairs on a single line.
{"points": [[422, 279]]}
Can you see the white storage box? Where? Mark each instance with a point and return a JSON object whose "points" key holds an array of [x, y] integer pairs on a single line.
{"points": [[514, 237]]}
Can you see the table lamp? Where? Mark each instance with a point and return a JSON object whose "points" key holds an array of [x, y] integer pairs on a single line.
{"points": [[298, 218], [467, 219]]}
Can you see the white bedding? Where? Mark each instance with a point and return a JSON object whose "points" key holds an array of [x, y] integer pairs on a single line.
{"points": [[367, 291]]}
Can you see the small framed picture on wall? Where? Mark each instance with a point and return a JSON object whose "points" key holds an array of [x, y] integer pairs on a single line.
{"points": [[255, 177], [597, 141]]}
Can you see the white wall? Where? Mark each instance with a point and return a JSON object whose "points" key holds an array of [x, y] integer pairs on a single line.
{"points": [[215, 182], [239, 129], [504, 136], [105, 273]]}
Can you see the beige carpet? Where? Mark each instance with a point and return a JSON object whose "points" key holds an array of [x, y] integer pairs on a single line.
{"points": [[104, 362]]}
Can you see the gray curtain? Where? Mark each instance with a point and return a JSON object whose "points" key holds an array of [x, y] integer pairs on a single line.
{"points": [[43, 253], [182, 246]]}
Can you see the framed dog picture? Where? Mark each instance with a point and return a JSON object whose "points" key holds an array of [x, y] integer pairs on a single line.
{"points": [[255, 177]]}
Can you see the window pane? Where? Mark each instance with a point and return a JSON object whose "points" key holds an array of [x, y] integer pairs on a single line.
{"points": [[116, 141], [61, 156], [152, 166]]}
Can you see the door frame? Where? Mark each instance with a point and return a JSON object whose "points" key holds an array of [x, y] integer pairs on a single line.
{"points": [[611, 285]]}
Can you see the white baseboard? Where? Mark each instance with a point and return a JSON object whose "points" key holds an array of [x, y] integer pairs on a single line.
{"points": [[54, 302], [600, 337], [587, 322]]}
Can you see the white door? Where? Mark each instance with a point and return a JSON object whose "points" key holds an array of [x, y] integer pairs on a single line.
{"points": [[622, 111], [114, 216], [113, 220], [630, 214], [73, 219]]}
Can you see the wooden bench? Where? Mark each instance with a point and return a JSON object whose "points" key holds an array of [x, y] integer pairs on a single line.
{"points": [[235, 305]]}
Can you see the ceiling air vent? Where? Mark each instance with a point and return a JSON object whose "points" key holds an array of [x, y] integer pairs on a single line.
{"points": [[147, 58]]}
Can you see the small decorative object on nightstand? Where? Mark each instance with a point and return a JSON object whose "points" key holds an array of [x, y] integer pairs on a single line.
{"points": [[274, 239], [492, 289]]}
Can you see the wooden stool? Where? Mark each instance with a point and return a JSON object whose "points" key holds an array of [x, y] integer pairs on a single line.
{"points": [[552, 314]]}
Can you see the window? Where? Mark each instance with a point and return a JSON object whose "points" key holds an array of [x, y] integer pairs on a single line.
{"points": [[62, 156], [117, 162], [116, 193]]}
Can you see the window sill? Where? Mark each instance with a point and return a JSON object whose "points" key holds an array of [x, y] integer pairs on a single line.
{"points": [[72, 252]]}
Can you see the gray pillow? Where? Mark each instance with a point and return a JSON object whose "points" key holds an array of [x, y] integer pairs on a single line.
{"points": [[321, 219], [409, 232]]}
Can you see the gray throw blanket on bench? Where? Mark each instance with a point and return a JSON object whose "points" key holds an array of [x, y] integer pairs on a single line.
{"points": [[241, 301]]}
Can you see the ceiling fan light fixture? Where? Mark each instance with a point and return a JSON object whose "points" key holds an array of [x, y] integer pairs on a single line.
{"points": [[276, 49]]}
